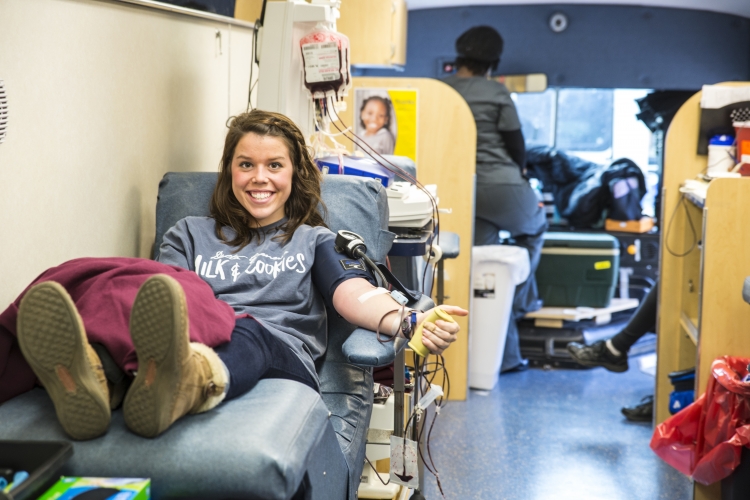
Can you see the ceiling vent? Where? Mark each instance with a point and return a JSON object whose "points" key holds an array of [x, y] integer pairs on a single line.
{"points": [[3, 112]]}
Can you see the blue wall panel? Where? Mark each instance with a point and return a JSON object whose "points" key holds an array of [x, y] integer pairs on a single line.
{"points": [[222, 7], [603, 46]]}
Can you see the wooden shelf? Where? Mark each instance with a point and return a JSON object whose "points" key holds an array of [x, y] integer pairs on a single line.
{"points": [[689, 325], [554, 317]]}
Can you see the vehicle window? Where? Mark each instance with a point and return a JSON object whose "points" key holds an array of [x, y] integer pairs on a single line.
{"points": [[537, 113], [584, 119], [598, 125]]}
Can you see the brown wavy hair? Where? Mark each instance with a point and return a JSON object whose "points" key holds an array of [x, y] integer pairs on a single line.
{"points": [[304, 199]]}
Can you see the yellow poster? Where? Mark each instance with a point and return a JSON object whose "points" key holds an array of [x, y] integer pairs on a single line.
{"points": [[387, 121]]}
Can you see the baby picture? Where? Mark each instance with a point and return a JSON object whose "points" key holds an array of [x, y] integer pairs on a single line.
{"points": [[376, 123]]}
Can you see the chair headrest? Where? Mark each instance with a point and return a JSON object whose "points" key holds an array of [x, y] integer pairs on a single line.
{"points": [[357, 204]]}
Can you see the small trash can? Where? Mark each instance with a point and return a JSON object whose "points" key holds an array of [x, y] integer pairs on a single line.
{"points": [[497, 269], [705, 440]]}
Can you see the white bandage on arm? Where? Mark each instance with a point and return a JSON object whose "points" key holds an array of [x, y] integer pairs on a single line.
{"points": [[372, 293]]}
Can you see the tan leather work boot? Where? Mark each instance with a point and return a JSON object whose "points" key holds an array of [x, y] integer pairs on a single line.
{"points": [[174, 376], [53, 341]]}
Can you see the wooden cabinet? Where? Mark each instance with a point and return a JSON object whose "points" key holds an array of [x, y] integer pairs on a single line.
{"points": [[248, 10], [376, 31], [376, 28], [704, 261]]}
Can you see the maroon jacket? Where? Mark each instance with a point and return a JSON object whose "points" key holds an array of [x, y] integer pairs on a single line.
{"points": [[103, 290]]}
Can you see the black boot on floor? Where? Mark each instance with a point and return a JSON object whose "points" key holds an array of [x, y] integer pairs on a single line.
{"points": [[643, 412], [597, 354]]}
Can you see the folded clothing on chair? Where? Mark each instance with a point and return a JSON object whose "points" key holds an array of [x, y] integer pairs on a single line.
{"points": [[103, 290]]}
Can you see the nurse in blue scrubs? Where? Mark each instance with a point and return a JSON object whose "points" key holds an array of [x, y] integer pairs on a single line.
{"points": [[504, 199]]}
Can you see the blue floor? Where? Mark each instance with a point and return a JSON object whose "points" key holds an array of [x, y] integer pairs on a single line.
{"points": [[556, 434]]}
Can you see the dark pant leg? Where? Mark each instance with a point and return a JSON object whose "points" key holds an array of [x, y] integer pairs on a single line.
{"points": [[642, 322], [513, 208], [485, 233], [510, 207], [526, 298], [254, 353]]}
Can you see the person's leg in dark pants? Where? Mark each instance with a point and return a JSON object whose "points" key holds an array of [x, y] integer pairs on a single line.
{"points": [[514, 208], [485, 233], [526, 297], [642, 322], [613, 354], [254, 353]]}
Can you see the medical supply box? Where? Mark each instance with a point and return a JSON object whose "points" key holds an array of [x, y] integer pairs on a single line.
{"points": [[350, 165], [111, 488], [578, 269]]}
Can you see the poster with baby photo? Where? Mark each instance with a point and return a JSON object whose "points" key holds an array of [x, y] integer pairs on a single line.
{"points": [[387, 121]]}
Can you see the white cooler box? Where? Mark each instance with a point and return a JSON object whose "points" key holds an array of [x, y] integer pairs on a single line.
{"points": [[497, 269]]}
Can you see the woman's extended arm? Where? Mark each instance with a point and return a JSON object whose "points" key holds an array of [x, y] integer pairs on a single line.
{"points": [[384, 312]]}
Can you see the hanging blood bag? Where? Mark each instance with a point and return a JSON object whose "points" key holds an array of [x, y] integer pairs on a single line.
{"points": [[325, 58]]}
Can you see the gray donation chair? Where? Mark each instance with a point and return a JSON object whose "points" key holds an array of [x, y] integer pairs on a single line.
{"points": [[281, 440]]}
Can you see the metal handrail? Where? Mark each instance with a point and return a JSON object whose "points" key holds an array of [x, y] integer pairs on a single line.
{"points": [[184, 11]]}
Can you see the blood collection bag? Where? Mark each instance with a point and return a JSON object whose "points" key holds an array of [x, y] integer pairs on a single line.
{"points": [[325, 58]]}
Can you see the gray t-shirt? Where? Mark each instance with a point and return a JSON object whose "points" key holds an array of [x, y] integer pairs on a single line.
{"points": [[494, 111], [285, 287]]}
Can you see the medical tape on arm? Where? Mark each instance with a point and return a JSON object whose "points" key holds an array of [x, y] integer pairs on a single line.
{"points": [[396, 326], [372, 293]]}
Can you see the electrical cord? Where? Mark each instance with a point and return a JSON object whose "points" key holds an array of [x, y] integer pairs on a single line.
{"points": [[682, 202], [376, 473], [439, 405], [419, 376]]}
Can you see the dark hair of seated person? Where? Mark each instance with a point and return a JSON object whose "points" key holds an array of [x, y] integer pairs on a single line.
{"points": [[479, 49], [478, 68]]}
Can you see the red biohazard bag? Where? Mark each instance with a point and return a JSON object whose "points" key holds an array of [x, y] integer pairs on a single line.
{"points": [[704, 441]]}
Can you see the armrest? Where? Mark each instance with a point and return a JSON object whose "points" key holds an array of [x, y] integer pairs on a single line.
{"points": [[450, 244], [746, 290], [364, 349]]}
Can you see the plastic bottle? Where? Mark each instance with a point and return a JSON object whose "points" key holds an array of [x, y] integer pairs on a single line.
{"points": [[720, 155]]}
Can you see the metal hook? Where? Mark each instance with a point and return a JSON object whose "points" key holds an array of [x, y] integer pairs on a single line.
{"points": [[218, 35]]}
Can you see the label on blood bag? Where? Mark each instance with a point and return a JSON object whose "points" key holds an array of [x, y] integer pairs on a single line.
{"points": [[322, 62]]}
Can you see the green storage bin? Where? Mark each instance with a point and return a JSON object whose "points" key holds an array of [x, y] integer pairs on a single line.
{"points": [[578, 269]]}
